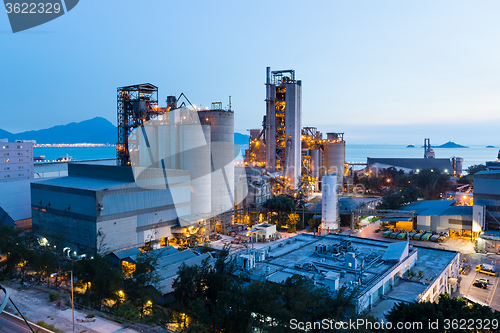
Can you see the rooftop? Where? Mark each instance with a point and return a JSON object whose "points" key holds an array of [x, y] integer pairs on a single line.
{"points": [[374, 259]]}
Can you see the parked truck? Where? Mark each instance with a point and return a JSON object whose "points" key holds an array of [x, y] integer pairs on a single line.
{"points": [[486, 269]]}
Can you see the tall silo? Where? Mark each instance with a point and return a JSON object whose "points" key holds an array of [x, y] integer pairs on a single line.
{"points": [[330, 212], [314, 153], [334, 156], [221, 124]]}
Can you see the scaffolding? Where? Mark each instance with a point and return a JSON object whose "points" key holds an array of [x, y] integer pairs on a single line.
{"points": [[136, 105]]}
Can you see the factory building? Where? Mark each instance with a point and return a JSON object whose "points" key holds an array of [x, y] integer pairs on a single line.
{"points": [[443, 216], [96, 202], [487, 199], [16, 161], [444, 165], [377, 272], [283, 125]]}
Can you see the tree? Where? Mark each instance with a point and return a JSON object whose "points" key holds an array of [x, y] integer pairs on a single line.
{"points": [[279, 205], [98, 278], [453, 309], [292, 221], [476, 168], [313, 224]]}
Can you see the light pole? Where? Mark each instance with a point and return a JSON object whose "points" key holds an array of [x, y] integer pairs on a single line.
{"points": [[72, 302]]}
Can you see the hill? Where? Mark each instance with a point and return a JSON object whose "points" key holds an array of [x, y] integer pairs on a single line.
{"points": [[241, 139], [95, 130], [450, 144]]}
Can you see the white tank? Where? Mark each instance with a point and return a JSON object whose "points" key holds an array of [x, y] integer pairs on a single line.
{"points": [[334, 159], [221, 124], [330, 213]]}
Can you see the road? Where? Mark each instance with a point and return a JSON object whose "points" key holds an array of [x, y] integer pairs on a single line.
{"points": [[12, 324]]}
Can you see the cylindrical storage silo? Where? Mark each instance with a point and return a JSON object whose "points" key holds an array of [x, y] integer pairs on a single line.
{"points": [[314, 162], [221, 124], [334, 159], [330, 213], [194, 156]]}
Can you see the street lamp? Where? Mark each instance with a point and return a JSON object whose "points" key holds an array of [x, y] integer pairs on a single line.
{"points": [[72, 303]]}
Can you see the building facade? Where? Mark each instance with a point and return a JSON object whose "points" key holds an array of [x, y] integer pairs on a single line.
{"points": [[16, 161], [103, 204], [487, 199]]}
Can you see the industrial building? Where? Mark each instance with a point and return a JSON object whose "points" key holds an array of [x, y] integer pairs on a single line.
{"points": [[16, 161], [283, 125], [96, 202], [452, 166], [487, 199], [294, 158], [376, 271]]}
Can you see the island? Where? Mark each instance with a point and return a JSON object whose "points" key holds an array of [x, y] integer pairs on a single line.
{"points": [[410, 146], [450, 144], [490, 146]]}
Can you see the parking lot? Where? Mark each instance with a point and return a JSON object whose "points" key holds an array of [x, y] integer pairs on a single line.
{"points": [[490, 295]]}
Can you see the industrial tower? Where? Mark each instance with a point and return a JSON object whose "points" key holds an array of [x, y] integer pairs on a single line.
{"points": [[283, 126], [136, 105]]}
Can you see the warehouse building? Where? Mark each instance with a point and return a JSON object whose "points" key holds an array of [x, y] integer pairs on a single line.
{"points": [[377, 272], [97, 202]]}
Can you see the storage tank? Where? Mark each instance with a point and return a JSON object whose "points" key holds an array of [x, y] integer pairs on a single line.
{"points": [[330, 212], [221, 124], [334, 156], [314, 162]]}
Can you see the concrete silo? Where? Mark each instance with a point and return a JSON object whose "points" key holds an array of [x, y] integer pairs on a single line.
{"points": [[334, 156], [330, 200], [221, 124]]}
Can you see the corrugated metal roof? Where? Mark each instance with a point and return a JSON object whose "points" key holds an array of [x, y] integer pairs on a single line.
{"points": [[279, 277], [458, 210], [84, 183], [414, 163], [171, 258], [167, 272], [430, 207], [131, 253]]}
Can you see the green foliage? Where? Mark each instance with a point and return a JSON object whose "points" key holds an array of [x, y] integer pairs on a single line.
{"points": [[90, 315], [313, 224], [217, 301], [280, 205], [476, 168], [397, 199], [98, 277], [54, 296], [446, 308], [49, 326]]}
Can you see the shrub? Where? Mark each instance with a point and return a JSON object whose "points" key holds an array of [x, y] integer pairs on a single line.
{"points": [[90, 315], [48, 326], [54, 296]]}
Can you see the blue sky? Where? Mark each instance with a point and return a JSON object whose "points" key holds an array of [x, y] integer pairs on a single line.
{"points": [[380, 71]]}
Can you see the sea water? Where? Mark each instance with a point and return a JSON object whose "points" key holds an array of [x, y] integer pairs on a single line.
{"points": [[354, 153]]}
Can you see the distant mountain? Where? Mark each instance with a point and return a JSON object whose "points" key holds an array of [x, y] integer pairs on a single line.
{"points": [[490, 146], [5, 134], [410, 146], [450, 144], [95, 130], [241, 139]]}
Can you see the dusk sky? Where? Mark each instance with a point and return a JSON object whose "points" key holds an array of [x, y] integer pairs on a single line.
{"points": [[380, 71]]}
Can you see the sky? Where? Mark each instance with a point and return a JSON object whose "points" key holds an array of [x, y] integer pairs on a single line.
{"points": [[380, 71]]}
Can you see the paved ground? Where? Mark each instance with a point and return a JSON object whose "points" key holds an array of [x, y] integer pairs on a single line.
{"points": [[35, 305], [490, 296]]}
